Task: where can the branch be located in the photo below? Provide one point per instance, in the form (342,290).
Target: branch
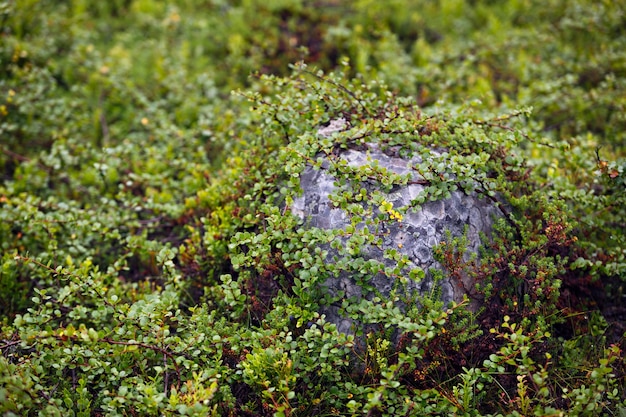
(14,155)
(166,354)
(341,87)
(78,278)
(9,344)
(495,124)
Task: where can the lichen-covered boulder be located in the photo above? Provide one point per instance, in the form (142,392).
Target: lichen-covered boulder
(412,230)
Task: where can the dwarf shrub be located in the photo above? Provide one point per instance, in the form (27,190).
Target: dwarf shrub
(150,262)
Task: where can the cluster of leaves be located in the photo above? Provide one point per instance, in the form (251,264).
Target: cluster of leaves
(150,263)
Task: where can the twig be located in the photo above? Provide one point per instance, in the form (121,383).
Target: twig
(9,344)
(166,376)
(341,87)
(166,354)
(80,279)
(495,124)
(22,158)
(14,155)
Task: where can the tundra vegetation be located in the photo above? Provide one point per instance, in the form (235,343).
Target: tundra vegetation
(149,154)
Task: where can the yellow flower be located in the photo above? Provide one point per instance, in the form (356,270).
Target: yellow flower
(387,207)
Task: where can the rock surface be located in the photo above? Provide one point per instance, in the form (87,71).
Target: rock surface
(415,235)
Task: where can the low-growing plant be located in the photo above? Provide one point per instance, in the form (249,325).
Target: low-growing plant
(151,264)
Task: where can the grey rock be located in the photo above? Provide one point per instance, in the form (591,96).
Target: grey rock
(415,235)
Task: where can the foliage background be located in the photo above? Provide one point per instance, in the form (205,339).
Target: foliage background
(138,276)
